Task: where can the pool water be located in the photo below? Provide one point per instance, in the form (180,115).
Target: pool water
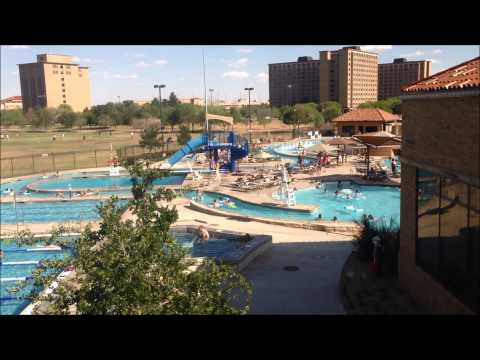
(9,306)
(388,163)
(58,211)
(216,246)
(382,202)
(254,210)
(102,182)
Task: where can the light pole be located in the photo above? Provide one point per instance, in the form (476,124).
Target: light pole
(249,113)
(160,87)
(211,94)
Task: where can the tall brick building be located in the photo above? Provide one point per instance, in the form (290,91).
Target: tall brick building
(439,259)
(348,76)
(54,80)
(393,76)
(294,82)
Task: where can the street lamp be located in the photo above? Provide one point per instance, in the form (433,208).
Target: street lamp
(211,94)
(160,87)
(249,113)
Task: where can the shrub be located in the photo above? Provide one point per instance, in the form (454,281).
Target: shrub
(389,233)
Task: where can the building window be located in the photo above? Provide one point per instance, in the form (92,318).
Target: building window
(63,79)
(448,234)
(64,96)
(64,101)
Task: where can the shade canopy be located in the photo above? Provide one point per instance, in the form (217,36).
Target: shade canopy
(340,141)
(319,148)
(226,119)
(378,138)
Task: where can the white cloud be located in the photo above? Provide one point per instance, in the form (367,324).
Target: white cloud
(413,54)
(262,77)
(161,62)
(435,61)
(18,47)
(142,64)
(15,73)
(236,64)
(87,60)
(437,51)
(139,56)
(376,47)
(235,75)
(244,51)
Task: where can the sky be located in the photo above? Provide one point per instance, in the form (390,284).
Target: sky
(129,72)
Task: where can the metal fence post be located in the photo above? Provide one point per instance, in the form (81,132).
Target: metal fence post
(33,164)
(11,164)
(53,162)
(96,164)
(74,161)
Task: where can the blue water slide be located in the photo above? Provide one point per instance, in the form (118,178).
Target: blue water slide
(188,148)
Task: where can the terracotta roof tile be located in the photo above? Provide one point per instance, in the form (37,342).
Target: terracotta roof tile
(12,99)
(465,75)
(367,115)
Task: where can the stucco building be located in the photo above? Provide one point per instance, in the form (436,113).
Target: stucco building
(439,259)
(11,103)
(393,76)
(348,76)
(365,120)
(54,80)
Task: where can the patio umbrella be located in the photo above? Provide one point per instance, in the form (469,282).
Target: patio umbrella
(341,141)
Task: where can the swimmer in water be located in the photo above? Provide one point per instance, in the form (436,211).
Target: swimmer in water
(201,234)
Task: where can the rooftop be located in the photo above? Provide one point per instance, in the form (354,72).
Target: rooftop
(367,115)
(11,99)
(464,75)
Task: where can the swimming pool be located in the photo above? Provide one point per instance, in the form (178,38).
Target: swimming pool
(19,263)
(100,182)
(254,210)
(50,211)
(382,202)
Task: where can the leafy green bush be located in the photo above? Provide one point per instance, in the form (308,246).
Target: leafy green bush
(389,233)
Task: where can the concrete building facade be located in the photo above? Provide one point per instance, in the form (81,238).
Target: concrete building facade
(294,82)
(54,80)
(348,76)
(439,258)
(393,76)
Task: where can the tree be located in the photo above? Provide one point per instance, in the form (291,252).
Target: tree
(172,99)
(43,117)
(149,138)
(391,105)
(105,120)
(67,119)
(175,118)
(330,110)
(136,266)
(12,117)
(184,135)
(80,121)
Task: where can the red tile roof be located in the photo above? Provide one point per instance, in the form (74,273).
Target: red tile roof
(465,75)
(367,115)
(12,99)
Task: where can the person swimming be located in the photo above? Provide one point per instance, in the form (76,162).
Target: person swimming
(201,234)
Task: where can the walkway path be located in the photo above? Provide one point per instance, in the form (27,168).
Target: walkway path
(313,289)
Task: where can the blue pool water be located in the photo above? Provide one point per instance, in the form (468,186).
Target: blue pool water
(388,163)
(380,201)
(215,247)
(15,306)
(101,182)
(61,211)
(248,209)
